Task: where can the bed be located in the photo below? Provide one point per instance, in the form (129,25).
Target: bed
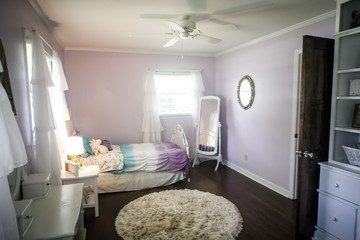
(130,167)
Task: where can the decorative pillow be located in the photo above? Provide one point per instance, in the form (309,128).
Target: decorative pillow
(87,145)
(107,144)
(85,154)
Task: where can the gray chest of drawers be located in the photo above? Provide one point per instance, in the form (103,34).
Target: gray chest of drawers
(339,200)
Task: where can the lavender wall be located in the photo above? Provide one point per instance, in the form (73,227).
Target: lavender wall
(107,92)
(264,131)
(14,16)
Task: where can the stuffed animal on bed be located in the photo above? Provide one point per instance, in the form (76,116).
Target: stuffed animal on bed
(96,146)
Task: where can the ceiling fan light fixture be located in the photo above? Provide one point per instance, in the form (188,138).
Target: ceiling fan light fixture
(183,35)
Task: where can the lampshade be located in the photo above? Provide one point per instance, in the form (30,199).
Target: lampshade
(1,67)
(74,146)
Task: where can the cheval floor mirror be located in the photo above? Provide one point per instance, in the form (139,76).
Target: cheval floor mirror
(208,132)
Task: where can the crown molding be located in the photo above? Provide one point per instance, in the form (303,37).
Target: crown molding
(180,54)
(281,32)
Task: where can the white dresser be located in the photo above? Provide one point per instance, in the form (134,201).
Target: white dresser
(339,200)
(55,216)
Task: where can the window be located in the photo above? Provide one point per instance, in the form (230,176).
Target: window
(29,69)
(174,93)
(29,60)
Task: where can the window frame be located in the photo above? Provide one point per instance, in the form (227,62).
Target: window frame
(173,73)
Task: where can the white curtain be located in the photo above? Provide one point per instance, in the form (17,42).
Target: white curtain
(59,106)
(13,155)
(197,94)
(151,126)
(46,154)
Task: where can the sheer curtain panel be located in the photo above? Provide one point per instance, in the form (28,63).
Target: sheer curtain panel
(59,105)
(46,154)
(151,126)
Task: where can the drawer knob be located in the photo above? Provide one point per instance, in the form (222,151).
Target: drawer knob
(334,219)
(336,185)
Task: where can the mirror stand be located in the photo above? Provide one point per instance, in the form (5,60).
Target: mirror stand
(208,131)
(217,157)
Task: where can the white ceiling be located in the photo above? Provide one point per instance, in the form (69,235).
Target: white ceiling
(137,25)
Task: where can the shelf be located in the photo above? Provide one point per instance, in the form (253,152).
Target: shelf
(352,70)
(90,200)
(347,129)
(348,32)
(348,98)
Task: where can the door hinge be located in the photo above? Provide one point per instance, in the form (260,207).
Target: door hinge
(296,135)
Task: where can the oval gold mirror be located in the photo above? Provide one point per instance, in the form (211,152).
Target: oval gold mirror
(246,92)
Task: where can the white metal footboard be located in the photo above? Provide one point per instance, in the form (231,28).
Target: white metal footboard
(178,137)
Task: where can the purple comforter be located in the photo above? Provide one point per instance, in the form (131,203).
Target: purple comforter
(155,157)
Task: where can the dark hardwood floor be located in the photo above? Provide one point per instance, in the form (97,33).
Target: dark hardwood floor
(266,214)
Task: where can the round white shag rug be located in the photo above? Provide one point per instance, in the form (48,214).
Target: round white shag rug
(179,214)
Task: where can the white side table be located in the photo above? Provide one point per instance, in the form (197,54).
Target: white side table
(87,175)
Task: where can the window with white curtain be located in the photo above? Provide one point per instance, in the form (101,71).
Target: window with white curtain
(29,62)
(174,92)
(48,109)
(29,72)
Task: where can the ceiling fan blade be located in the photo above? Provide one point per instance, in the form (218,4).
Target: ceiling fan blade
(244,7)
(207,39)
(199,16)
(197,6)
(174,26)
(222,28)
(171,42)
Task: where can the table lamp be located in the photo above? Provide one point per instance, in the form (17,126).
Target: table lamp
(74,147)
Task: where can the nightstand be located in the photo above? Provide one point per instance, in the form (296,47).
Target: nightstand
(87,175)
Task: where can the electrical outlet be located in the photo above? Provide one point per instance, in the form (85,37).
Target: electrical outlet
(245,157)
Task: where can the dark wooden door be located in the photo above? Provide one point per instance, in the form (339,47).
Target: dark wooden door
(314,123)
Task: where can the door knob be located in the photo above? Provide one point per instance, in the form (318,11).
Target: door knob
(306,154)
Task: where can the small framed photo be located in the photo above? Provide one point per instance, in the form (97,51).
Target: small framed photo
(354,87)
(72,167)
(356,119)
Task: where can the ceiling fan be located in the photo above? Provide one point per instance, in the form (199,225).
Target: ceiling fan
(185,28)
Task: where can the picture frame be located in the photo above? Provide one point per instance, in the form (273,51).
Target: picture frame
(356,119)
(354,87)
(72,167)
(355,15)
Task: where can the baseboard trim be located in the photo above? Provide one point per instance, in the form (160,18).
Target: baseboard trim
(258,179)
